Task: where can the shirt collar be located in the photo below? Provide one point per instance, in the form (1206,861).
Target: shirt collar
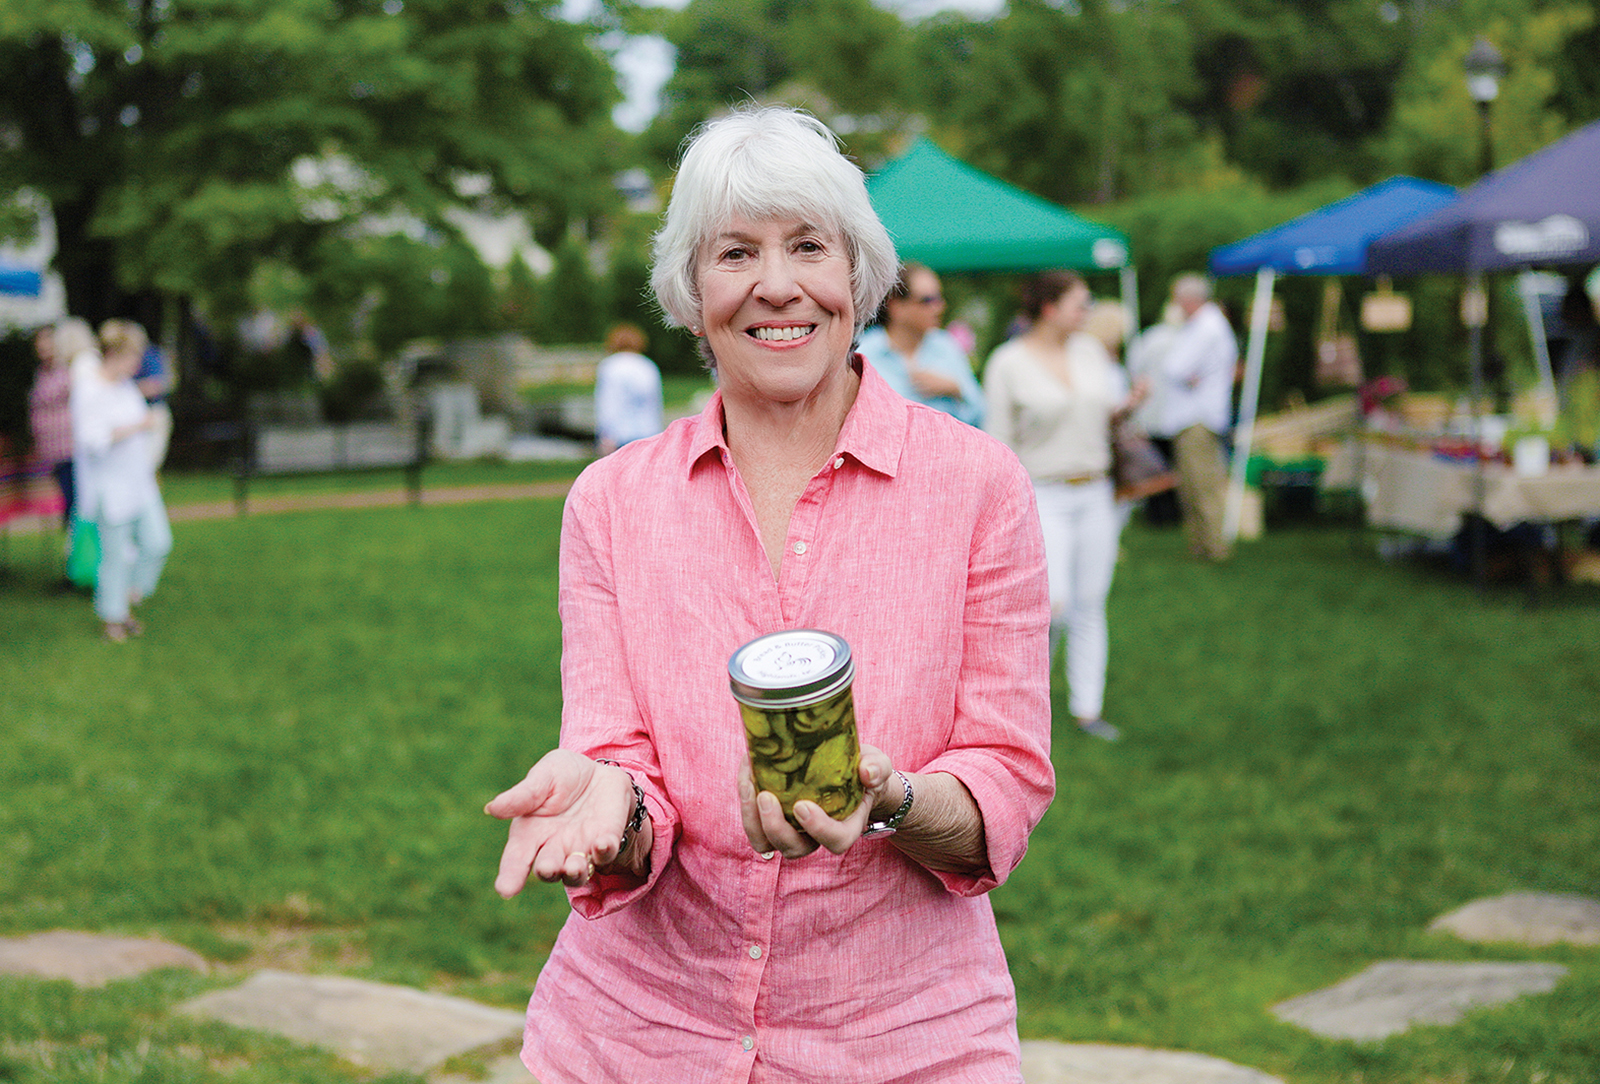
(874,432)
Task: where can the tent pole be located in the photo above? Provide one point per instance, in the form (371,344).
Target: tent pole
(1244,432)
(1477,541)
(1130,301)
(1541,346)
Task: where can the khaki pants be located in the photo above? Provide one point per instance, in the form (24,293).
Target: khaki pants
(1202,491)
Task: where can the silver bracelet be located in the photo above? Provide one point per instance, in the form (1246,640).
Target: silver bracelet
(889,826)
(635,823)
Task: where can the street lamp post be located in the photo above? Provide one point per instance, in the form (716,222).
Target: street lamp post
(1485,68)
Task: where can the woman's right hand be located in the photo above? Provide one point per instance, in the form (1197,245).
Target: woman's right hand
(567,818)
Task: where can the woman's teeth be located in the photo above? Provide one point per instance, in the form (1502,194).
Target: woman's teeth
(782,334)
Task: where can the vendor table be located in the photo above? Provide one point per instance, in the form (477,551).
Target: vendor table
(1416,491)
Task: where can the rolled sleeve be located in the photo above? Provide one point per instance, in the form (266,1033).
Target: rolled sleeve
(600,715)
(1001,745)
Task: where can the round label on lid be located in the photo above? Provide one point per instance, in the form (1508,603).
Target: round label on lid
(789,659)
(789,663)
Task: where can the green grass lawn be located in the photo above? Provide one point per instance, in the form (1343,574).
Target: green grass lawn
(1322,752)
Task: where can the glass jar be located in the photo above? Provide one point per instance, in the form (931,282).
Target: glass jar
(793,689)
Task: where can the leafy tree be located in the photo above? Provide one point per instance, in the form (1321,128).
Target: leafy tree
(173,138)
(846,60)
(1577,93)
(1435,129)
(573,304)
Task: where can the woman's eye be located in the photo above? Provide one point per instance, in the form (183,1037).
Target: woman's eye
(810,247)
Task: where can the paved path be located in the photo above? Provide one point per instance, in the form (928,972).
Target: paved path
(377,498)
(310,502)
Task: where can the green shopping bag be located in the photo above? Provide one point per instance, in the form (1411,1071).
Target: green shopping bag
(83,559)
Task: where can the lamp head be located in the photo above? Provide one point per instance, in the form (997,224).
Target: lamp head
(1485,67)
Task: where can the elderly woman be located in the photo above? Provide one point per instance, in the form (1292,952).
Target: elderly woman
(917,357)
(1054,392)
(112,425)
(711,939)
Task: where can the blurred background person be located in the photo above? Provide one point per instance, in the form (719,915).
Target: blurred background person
(112,427)
(627,391)
(50,416)
(917,358)
(1144,357)
(1138,469)
(154,380)
(1052,394)
(1195,377)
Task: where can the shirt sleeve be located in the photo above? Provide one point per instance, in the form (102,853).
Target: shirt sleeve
(600,716)
(1000,745)
(958,367)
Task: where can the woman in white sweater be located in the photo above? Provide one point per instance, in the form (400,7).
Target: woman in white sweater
(1052,394)
(112,428)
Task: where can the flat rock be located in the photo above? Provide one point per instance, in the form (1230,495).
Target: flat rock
(508,1070)
(1045,1062)
(369,1023)
(91,959)
(1527,918)
(1389,997)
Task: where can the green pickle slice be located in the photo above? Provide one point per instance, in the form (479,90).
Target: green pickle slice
(809,752)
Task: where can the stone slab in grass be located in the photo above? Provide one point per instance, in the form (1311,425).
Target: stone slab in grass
(91,959)
(1046,1062)
(369,1023)
(509,1070)
(1527,918)
(1389,997)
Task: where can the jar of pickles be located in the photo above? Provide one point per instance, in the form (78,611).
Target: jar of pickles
(793,690)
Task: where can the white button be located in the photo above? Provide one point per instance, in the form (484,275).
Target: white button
(799,549)
(755,952)
(747,1042)
(837,463)
(767,856)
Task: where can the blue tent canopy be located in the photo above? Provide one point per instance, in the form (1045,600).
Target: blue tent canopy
(1333,240)
(20,281)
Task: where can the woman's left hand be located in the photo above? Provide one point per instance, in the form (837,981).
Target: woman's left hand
(768,830)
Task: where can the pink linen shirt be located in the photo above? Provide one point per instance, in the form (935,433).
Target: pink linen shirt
(919,543)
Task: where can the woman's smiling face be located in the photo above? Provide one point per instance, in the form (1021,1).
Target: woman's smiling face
(777,306)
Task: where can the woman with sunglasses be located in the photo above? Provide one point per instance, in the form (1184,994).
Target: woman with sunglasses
(914,355)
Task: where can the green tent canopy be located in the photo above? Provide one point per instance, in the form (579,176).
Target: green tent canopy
(943,213)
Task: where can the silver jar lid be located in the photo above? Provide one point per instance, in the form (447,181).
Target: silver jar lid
(793,666)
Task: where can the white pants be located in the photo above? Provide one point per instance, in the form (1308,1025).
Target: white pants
(1081,528)
(132,555)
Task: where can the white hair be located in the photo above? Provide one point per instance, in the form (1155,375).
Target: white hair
(74,336)
(764,164)
(1192,287)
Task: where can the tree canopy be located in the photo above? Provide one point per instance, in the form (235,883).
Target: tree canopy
(180,143)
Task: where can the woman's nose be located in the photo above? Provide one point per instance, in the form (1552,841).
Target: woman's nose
(777,284)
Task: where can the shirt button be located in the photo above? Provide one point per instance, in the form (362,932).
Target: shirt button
(755,952)
(767,856)
(837,463)
(748,1042)
(799,549)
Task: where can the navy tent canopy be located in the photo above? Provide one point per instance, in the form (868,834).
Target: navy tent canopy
(1333,240)
(19,281)
(1540,211)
